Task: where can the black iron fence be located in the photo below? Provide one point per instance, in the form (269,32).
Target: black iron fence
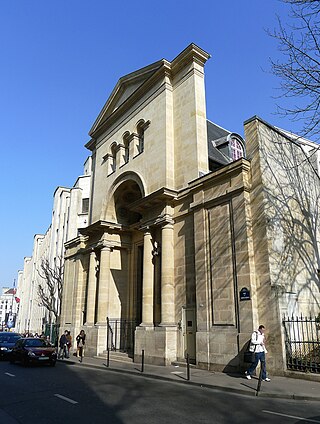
(120,336)
(302,339)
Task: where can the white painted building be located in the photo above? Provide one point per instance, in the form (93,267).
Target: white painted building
(8,309)
(69,214)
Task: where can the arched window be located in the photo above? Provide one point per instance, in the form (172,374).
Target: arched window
(236,149)
(140,131)
(126,141)
(142,125)
(113,159)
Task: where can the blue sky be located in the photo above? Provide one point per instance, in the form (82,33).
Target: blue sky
(59,61)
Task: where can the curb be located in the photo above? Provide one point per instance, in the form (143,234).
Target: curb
(198,384)
(163,378)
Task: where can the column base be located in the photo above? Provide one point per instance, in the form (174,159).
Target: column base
(168,324)
(91,331)
(159,344)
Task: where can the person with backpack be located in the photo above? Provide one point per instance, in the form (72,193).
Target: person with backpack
(257,345)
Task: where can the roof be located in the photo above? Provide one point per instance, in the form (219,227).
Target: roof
(218,139)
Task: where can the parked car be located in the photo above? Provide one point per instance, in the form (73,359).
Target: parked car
(33,350)
(7,341)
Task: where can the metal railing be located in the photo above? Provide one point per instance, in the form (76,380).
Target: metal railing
(120,336)
(302,340)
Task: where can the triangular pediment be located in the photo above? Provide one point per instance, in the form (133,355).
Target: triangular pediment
(124,88)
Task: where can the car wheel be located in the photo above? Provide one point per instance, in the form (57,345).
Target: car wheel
(12,360)
(25,362)
(52,363)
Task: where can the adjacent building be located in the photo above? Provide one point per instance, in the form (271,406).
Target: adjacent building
(9,306)
(70,212)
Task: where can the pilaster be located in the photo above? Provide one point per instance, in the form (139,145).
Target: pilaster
(148,280)
(92,287)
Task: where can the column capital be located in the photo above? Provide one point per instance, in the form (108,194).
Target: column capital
(160,221)
(164,220)
(145,229)
(105,245)
(168,225)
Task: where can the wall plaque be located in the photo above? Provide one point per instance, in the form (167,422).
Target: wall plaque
(245,294)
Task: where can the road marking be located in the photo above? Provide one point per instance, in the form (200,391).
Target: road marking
(10,375)
(66,399)
(177,372)
(309,420)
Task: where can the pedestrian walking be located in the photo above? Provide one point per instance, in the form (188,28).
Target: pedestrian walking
(69,342)
(81,341)
(257,345)
(63,346)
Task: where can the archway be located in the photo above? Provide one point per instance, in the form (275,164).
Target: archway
(125,195)
(126,260)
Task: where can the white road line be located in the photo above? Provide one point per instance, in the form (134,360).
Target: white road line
(66,399)
(177,372)
(10,375)
(309,420)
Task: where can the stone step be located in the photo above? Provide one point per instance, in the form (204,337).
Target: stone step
(182,364)
(116,356)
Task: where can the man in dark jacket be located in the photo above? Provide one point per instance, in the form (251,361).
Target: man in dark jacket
(63,346)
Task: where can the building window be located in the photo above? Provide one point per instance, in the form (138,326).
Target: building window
(236,149)
(126,142)
(113,163)
(141,138)
(85,205)
(142,125)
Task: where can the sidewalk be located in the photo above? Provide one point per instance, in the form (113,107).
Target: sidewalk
(279,387)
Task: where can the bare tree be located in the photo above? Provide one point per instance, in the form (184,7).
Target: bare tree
(50,289)
(299,71)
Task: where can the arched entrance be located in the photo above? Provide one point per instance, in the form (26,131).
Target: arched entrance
(126,266)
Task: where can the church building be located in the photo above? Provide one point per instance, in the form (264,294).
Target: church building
(183,250)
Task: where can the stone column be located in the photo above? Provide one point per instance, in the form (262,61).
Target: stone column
(104,280)
(92,287)
(167,276)
(147,281)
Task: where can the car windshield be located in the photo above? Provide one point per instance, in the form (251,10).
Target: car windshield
(36,343)
(12,338)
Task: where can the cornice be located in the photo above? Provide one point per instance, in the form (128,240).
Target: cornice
(163,195)
(100,226)
(241,165)
(192,53)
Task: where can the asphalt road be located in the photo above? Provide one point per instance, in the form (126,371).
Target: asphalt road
(75,394)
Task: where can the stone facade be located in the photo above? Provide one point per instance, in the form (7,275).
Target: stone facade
(177,230)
